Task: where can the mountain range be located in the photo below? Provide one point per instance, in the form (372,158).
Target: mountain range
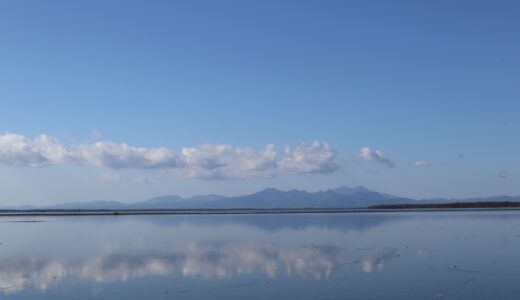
(270,198)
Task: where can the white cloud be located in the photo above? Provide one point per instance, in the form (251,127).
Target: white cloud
(209,161)
(367,154)
(142,180)
(109,177)
(226,161)
(119,156)
(315,157)
(18,150)
(422,163)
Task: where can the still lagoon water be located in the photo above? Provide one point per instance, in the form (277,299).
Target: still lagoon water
(387,255)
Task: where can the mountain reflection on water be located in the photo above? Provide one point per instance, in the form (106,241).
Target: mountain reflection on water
(132,253)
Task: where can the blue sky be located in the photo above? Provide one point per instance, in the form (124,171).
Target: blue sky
(430,87)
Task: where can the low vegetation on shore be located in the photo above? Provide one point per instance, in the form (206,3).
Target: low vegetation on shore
(503,204)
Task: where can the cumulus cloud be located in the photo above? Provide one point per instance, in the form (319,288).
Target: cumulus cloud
(19,150)
(120,156)
(225,161)
(367,154)
(422,163)
(315,157)
(109,177)
(209,161)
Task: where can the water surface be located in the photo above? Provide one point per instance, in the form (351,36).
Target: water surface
(388,255)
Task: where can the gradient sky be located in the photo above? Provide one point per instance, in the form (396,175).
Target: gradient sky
(414,98)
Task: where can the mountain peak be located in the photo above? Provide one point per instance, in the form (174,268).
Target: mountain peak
(270,191)
(164,199)
(349,191)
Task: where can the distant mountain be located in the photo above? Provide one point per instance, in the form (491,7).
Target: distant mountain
(350,191)
(338,198)
(210,197)
(341,197)
(177,202)
(86,205)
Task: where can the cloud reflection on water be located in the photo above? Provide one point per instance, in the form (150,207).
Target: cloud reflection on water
(208,261)
(309,247)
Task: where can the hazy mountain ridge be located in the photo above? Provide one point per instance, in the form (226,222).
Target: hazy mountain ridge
(341,197)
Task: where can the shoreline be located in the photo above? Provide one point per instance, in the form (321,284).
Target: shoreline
(85,212)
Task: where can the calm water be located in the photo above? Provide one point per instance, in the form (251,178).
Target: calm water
(441,255)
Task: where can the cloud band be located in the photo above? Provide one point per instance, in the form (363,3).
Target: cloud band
(208,161)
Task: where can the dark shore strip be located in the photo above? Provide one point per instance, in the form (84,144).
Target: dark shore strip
(503,204)
(247,211)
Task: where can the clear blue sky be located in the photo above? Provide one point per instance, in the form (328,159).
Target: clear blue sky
(433,85)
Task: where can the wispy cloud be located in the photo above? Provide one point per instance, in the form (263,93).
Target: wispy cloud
(95,135)
(422,163)
(367,154)
(142,180)
(109,177)
(503,174)
(209,161)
